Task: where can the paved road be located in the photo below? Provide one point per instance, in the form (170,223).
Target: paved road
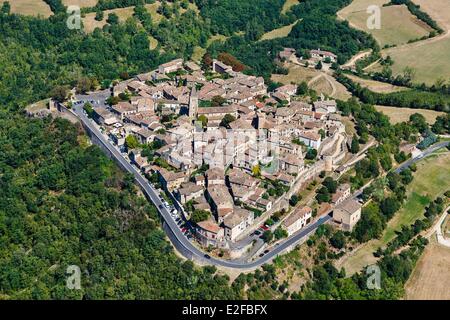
(406,164)
(424,154)
(178,238)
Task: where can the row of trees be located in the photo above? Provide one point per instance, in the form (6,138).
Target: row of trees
(407,233)
(415,10)
(103,5)
(413,98)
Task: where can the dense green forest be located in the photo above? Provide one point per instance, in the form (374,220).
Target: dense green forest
(37,54)
(413,98)
(62,203)
(318,28)
(113,4)
(230,16)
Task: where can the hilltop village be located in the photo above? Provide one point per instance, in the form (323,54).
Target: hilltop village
(226,151)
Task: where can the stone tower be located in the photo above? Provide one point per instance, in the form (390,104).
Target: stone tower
(193,103)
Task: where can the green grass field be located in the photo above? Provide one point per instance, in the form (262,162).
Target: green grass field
(431,180)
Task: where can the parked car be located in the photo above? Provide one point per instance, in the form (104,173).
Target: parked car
(207,256)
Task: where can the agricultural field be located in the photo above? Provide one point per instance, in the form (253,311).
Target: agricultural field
(90,23)
(398,25)
(397,115)
(428,58)
(438,10)
(288,5)
(431,180)
(279,33)
(430,279)
(30,7)
(430,61)
(376,86)
(80,3)
(315,79)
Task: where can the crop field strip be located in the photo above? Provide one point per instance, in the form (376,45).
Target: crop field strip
(429,58)
(30,7)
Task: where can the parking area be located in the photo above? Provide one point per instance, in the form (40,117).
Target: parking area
(97,99)
(182,224)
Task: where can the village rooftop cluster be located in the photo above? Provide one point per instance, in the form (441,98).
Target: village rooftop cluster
(224,148)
